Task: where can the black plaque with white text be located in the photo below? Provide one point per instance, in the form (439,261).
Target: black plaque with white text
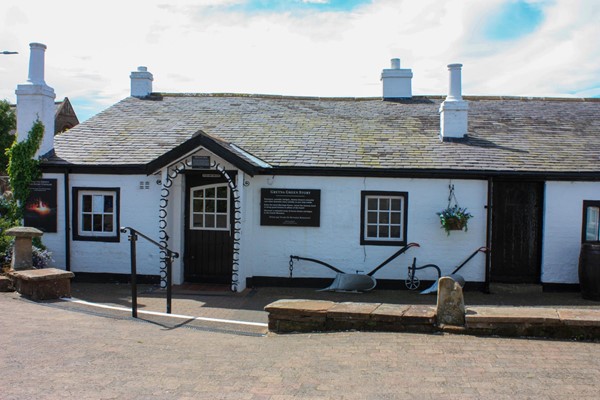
(290,207)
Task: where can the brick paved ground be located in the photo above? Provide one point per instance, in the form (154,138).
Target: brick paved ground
(53,353)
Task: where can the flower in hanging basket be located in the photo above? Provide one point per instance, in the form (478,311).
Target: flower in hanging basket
(454,219)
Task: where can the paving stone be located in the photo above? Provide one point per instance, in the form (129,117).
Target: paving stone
(352,310)
(419,315)
(580,317)
(504,315)
(389,312)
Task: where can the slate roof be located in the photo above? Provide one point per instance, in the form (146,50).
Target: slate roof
(537,135)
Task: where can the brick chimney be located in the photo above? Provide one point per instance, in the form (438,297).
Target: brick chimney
(454,110)
(396,81)
(35,100)
(141,82)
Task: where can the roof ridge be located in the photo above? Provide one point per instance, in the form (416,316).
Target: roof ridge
(368,98)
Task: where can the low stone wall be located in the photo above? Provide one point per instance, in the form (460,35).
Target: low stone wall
(321,316)
(286,316)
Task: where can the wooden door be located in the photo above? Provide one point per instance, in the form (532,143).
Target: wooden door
(208,254)
(517,231)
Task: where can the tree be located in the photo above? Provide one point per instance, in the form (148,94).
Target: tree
(8,122)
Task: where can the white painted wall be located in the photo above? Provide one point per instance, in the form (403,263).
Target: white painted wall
(337,240)
(265,250)
(138,209)
(563,218)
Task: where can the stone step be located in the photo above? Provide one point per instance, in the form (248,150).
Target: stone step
(6,284)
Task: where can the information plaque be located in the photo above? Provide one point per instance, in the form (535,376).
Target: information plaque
(290,207)
(41,206)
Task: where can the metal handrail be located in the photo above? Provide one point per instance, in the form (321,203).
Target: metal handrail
(133,236)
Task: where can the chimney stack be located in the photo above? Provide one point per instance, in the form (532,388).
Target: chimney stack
(396,81)
(35,100)
(141,82)
(454,110)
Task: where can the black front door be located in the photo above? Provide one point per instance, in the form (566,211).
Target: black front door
(516,231)
(208,252)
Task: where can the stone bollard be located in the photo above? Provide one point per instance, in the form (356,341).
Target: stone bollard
(22,258)
(450,302)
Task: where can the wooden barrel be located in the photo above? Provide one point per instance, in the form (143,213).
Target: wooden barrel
(589,271)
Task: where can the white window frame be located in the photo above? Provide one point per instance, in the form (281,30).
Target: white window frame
(80,233)
(214,213)
(401,224)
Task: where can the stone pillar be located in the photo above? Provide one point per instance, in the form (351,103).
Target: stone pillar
(450,302)
(22,258)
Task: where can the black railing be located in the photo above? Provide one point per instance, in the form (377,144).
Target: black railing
(170,255)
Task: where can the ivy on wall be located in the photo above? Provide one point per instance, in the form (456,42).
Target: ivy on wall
(22,167)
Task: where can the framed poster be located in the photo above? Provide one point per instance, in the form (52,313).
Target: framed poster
(41,206)
(290,207)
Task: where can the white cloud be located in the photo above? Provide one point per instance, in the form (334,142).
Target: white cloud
(205,47)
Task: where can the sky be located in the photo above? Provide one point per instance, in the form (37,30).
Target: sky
(327,48)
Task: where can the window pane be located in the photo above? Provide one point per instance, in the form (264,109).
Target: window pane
(395,218)
(108,223)
(198,206)
(197,221)
(222,206)
(384,204)
(97,223)
(372,204)
(592,224)
(395,231)
(384,218)
(108,204)
(209,221)
(372,218)
(372,231)
(210,193)
(87,203)
(210,206)
(221,221)
(97,203)
(222,192)
(87,222)
(384,231)
(396,204)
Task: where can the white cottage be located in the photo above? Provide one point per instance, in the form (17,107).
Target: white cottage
(237,183)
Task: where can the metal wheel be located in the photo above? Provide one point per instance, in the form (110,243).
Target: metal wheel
(413,283)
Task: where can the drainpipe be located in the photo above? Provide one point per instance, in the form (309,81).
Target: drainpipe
(67,222)
(488,235)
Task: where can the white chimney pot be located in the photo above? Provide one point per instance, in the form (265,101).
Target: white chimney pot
(141,82)
(454,111)
(455,91)
(35,100)
(396,81)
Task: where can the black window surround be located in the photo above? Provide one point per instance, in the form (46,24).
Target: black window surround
(590,206)
(77,213)
(394,231)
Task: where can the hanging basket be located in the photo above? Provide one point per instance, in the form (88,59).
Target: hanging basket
(453,217)
(455,224)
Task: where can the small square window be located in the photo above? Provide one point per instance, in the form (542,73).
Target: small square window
(383,218)
(95,214)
